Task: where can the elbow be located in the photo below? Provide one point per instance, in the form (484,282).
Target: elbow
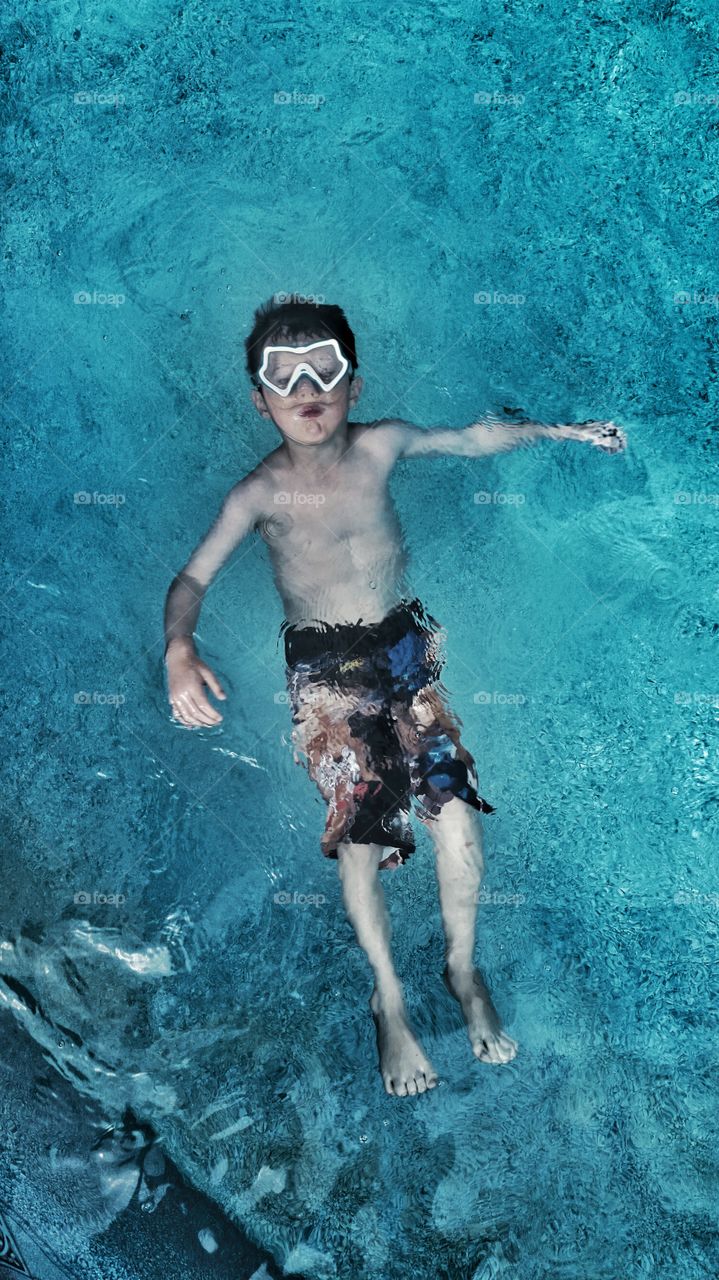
(185,583)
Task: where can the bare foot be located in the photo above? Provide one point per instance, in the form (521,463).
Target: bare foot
(404,1068)
(489,1042)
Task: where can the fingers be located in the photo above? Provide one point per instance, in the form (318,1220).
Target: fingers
(211,679)
(204,710)
(612,440)
(604,435)
(187,697)
(179,718)
(182,711)
(194,711)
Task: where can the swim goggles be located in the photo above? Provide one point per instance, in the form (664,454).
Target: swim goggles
(282,367)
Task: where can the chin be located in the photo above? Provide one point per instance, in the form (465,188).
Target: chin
(321,424)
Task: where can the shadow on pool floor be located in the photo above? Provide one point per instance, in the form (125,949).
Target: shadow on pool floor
(81,1201)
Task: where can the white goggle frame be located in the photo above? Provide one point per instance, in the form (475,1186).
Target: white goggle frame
(304,368)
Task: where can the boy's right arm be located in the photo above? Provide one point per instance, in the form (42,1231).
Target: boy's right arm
(187,675)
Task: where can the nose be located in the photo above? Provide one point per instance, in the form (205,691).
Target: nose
(305,384)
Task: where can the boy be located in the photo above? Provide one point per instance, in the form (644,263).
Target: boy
(363,658)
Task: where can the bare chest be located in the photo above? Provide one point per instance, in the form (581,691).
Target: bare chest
(353,506)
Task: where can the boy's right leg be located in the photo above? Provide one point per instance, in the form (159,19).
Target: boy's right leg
(404,1067)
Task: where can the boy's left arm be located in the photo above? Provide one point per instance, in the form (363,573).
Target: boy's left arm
(489,435)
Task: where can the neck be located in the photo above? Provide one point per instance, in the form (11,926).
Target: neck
(315,459)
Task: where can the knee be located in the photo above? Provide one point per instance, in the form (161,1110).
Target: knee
(464,857)
(354,857)
(458,830)
(456,816)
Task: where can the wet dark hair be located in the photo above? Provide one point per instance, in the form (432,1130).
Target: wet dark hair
(288,321)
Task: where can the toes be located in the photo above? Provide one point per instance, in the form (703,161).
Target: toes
(486,1052)
(509,1046)
(482,1052)
(398,1088)
(427,1080)
(495,1051)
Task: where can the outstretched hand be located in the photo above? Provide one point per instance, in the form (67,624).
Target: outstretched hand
(187,676)
(606,436)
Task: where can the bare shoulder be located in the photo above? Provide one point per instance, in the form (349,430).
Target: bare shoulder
(385,437)
(250,496)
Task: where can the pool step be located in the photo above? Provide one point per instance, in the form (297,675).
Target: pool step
(22,1255)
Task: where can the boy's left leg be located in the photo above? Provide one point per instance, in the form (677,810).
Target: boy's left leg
(456,833)
(429,732)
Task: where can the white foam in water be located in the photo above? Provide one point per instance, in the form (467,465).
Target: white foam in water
(208,1240)
(261,1273)
(218,1171)
(243,1123)
(268,1181)
(304,1260)
(150,961)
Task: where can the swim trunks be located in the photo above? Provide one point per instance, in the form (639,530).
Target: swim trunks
(371,726)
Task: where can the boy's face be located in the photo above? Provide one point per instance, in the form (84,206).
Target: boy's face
(308,415)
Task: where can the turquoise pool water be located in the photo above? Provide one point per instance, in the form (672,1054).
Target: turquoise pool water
(517,208)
